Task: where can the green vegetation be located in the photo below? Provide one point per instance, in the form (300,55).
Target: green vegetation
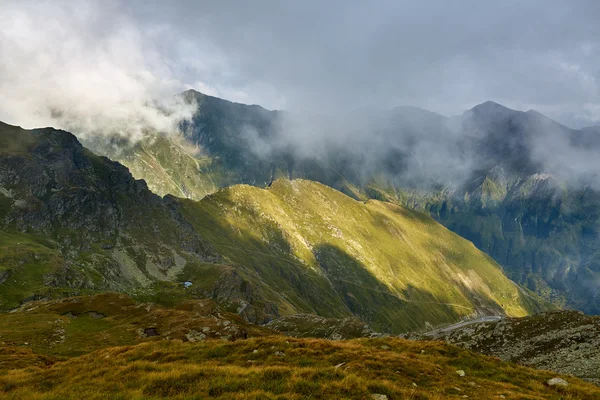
(170,165)
(73,326)
(24,261)
(322,252)
(77,223)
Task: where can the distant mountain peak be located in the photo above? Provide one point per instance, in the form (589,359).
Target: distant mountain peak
(491,107)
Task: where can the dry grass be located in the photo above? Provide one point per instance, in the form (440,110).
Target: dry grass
(64,327)
(284,368)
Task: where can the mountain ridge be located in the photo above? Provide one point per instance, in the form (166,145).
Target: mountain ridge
(242,246)
(484,182)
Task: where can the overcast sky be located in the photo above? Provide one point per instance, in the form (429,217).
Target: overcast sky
(101,58)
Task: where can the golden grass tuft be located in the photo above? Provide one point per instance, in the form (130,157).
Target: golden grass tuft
(277,367)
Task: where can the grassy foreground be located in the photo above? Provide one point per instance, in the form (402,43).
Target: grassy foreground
(278,367)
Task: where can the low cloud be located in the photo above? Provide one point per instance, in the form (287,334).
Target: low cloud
(87,68)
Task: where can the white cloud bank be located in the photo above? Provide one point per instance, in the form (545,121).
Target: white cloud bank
(85,67)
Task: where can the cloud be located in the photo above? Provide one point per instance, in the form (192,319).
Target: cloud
(439,55)
(85,67)
(322,57)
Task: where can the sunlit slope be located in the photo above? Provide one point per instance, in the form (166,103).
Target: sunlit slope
(325,253)
(168,164)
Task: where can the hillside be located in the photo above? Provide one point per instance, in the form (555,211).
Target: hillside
(319,251)
(277,367)
(74,223)
(109,345)
(168,163)
(514,183)
(562,341)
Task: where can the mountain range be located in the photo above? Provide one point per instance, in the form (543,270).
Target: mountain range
(520,186)
(75,223)
(248,224)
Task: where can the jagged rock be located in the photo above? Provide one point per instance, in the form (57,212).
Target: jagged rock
(96,315)
(194,336)
(150,332)
(92,212)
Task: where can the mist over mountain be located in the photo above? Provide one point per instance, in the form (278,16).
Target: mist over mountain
(519,185)
(178,176)
(404,146)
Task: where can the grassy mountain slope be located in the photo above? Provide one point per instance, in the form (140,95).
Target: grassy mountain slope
(282,368)
(325,253)
(109,346)
(68,327)
(488,181)
(543,232)
(168,163)
(75,223)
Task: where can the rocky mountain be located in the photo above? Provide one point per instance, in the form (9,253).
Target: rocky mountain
(75,223)
(562,341)
(72,220)
(519,185)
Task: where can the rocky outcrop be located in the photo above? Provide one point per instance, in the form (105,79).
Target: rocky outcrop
(308,325)
(239,295)
(566,342)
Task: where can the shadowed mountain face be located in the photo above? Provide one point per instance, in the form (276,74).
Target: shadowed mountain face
(519,185)
(76,223)
(73,221)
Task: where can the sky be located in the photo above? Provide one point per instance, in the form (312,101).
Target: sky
(83,64)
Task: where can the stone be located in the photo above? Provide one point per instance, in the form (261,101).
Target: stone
(377,396)
(557,382)
(460,373)
(195,336)
(149,332)
(96,315)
